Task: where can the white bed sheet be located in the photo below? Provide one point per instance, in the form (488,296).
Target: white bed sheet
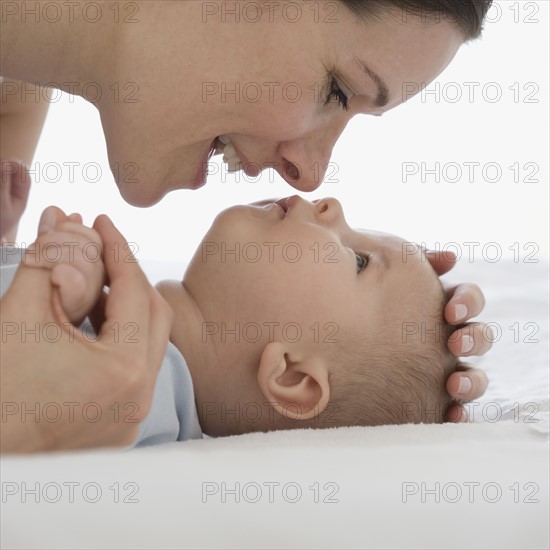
(372,473)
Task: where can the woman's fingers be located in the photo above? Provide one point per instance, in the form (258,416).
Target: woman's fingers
(128,299)
(161,323)
(15,183)
(132,300)
(465,301)
(97,313)
(471,339)
(137,320)
(456,413)
(441,262)
(467,383)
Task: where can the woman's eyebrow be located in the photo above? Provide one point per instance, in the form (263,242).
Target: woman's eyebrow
(383,97)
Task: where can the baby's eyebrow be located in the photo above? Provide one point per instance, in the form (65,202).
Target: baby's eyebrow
(384,257)
(382,266)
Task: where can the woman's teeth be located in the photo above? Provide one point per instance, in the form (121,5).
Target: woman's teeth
(230,156)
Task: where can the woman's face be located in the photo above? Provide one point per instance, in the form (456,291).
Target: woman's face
(279,81)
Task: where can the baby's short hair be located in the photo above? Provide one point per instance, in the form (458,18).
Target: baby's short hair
(395,376)
(405,385)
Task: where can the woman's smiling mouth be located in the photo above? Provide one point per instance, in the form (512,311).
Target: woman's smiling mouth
(234,157)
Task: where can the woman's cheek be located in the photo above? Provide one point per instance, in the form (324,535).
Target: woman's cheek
(288,121)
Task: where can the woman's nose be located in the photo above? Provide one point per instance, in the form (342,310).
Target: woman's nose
(306,160)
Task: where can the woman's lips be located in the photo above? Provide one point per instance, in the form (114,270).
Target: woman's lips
(202,172)
(250,169)
(218,147)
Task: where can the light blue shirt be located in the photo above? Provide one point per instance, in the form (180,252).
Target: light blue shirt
(173,415)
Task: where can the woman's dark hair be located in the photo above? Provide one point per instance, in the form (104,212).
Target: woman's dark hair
(468,15)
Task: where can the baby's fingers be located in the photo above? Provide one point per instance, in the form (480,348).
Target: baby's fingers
(471,339)
(50,218)
(72,287)
(68,243)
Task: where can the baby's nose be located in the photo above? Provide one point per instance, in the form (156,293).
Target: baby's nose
(328,210)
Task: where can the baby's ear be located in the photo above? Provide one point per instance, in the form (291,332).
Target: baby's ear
(297,387)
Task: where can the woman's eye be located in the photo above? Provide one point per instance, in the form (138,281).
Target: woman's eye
(336,92)
(362,262)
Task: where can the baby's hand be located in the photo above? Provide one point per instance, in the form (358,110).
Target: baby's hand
(73,254)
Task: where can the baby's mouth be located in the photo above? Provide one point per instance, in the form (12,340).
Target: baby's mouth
(230,156)
(283,204)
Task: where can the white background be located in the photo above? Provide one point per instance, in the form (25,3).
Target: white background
(369,158)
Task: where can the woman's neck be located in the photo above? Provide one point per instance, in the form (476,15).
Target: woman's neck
(58,44)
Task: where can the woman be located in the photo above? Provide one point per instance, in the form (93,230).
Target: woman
(272,84)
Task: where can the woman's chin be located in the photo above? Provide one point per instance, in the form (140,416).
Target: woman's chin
(142,196)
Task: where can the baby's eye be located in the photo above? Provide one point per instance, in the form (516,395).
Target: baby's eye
(362,262)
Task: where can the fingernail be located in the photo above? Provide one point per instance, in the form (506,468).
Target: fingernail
(461,312)
(464,386)
(47,221)
(463,416)
(432,253)
(467,344)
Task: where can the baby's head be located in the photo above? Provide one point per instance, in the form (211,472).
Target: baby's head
(288,318)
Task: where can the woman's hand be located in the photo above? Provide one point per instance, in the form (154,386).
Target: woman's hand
(62,389)
(15,183)
(465,302)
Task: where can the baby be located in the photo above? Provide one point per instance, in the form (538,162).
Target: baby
(286,318)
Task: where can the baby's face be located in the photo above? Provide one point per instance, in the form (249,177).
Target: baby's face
(294,271)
